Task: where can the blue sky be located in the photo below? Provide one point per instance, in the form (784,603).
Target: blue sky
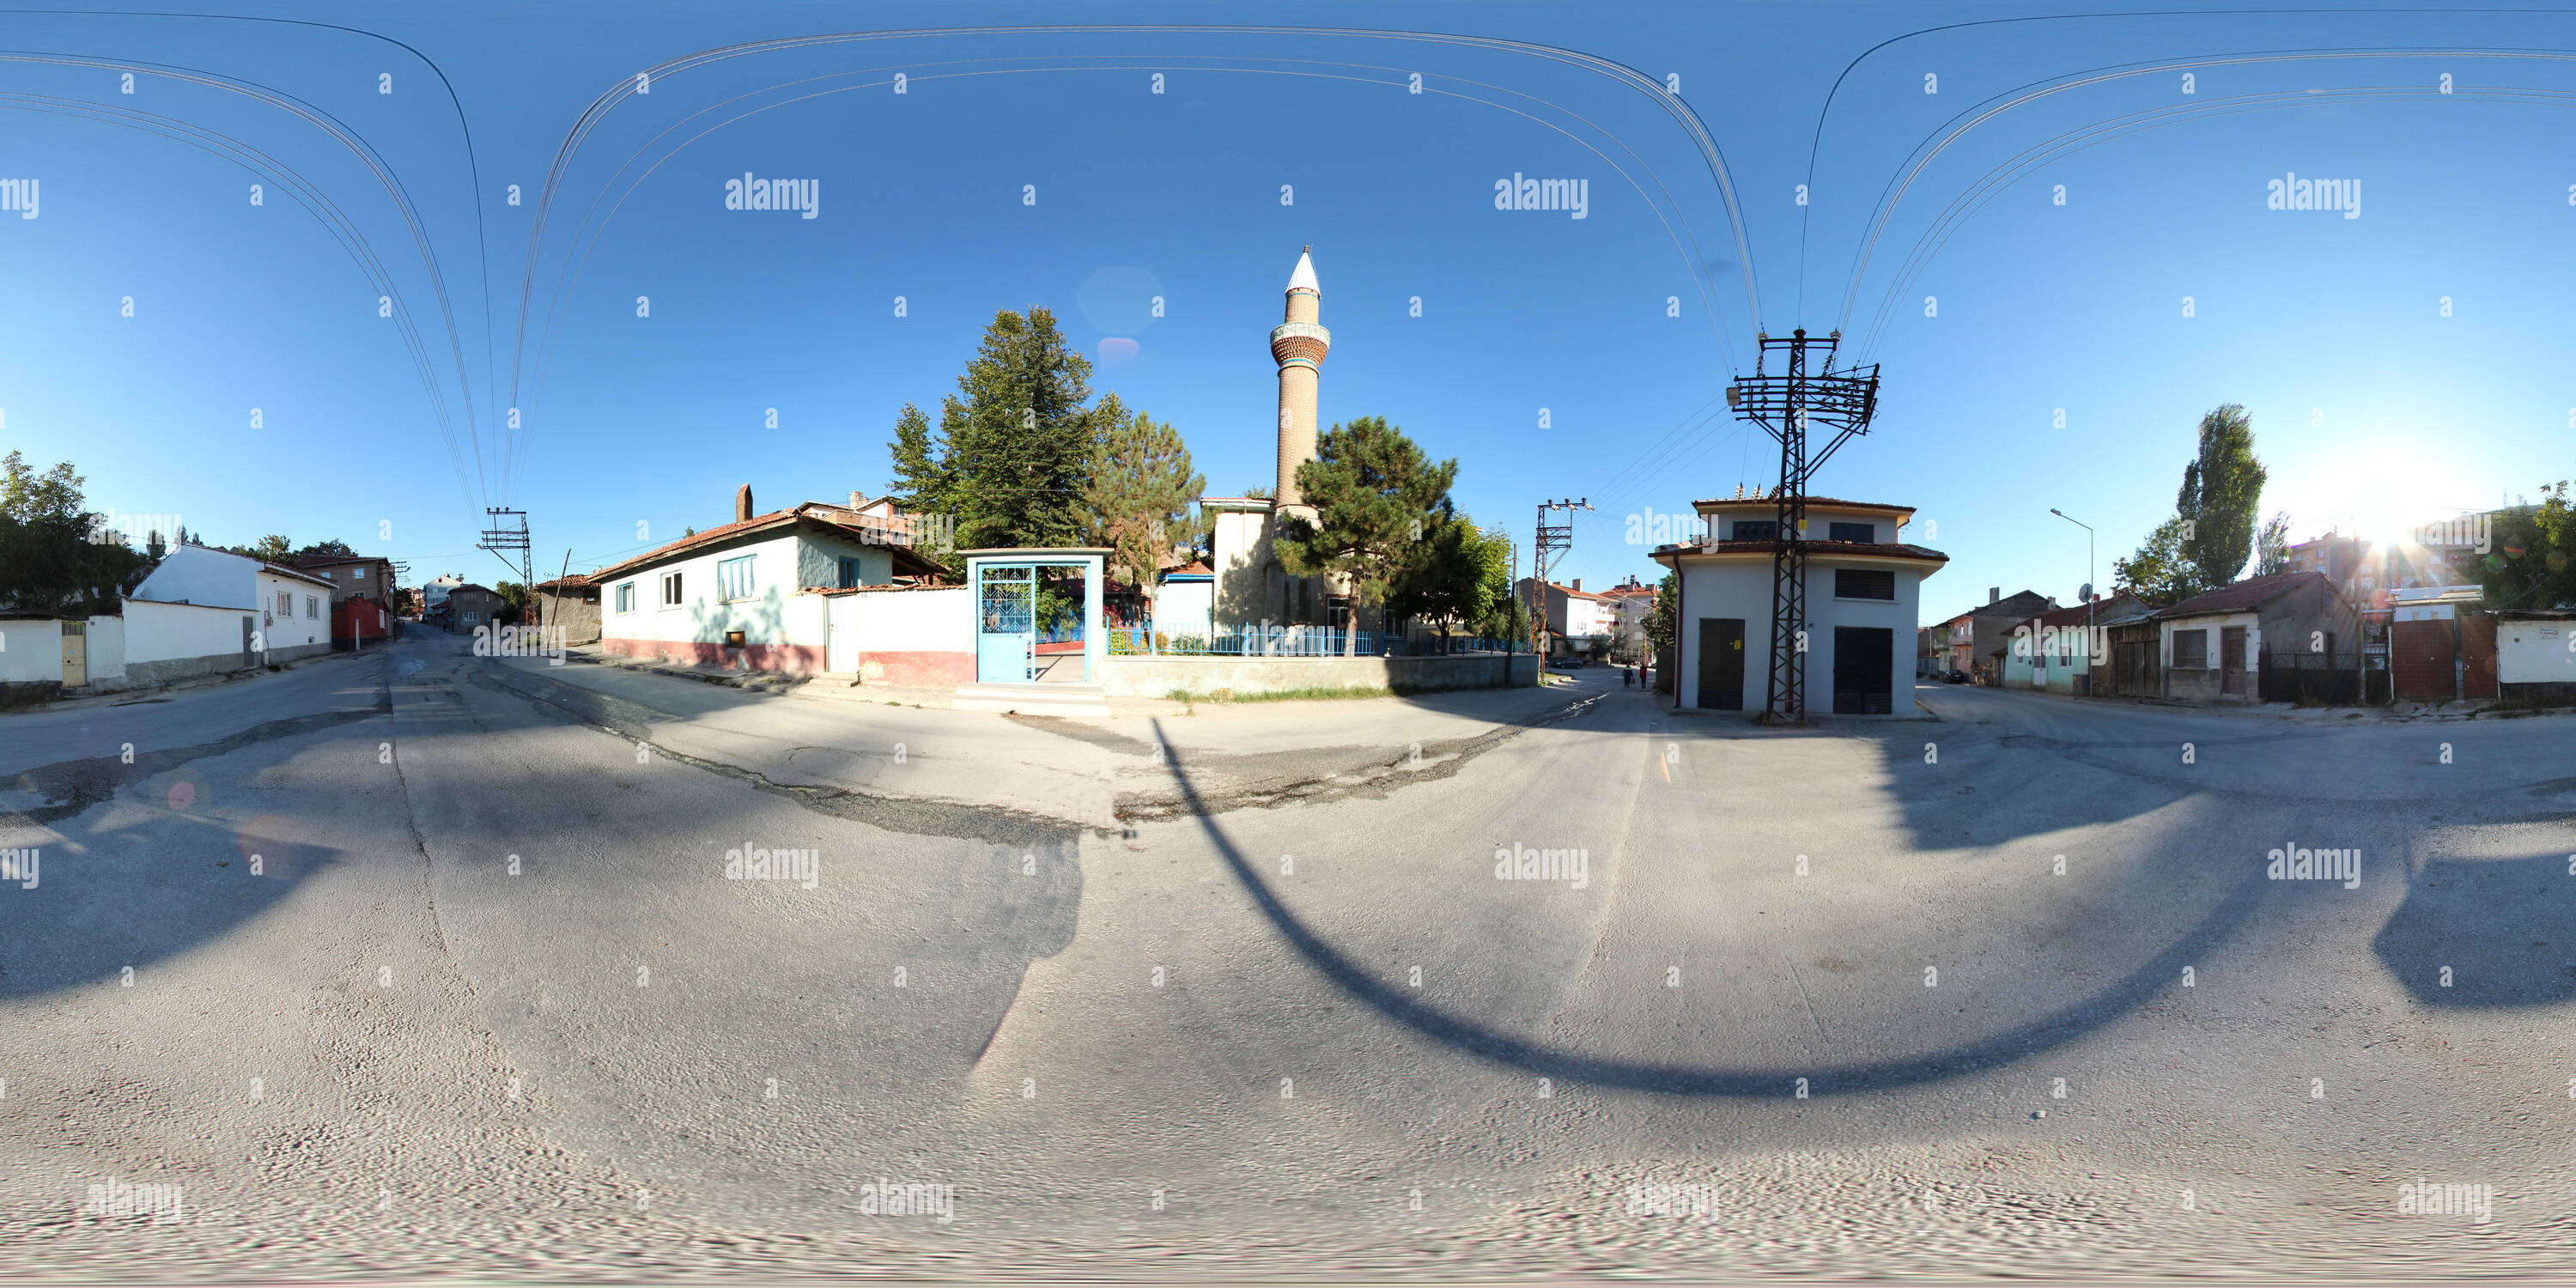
(2369,405)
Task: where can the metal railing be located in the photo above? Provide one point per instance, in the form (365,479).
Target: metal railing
(1285,641)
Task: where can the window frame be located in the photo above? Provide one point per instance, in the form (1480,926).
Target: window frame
(847,568)
(313,607)
(1735,529)
(1835,529)
(1888,573)
(671,589)
(744,567)
(626,599)
(2199,636)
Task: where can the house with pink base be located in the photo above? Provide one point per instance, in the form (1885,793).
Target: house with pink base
(756,593)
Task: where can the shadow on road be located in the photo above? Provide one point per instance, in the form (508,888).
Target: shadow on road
(2505,929)
(2229,913)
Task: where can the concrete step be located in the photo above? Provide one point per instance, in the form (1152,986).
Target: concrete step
(1033,699)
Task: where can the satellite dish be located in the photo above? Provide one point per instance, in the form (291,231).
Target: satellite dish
(2085,594)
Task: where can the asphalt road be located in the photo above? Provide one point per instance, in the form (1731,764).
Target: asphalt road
(435,961)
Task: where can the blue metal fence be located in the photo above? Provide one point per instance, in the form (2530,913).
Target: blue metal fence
(1281,641)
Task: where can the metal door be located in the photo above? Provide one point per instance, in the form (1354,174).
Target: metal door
(75,654)
(1721,663)
(1864,670)
(250,631)
(2231,660)
(841,635)
(1006,633)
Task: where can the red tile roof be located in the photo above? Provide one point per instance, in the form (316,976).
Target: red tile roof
(819,512)
(2245,596)
(1890,550)
(1812,502)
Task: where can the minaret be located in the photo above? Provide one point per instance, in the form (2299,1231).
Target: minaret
(1298,345)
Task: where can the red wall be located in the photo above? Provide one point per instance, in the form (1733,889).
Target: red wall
(793,659)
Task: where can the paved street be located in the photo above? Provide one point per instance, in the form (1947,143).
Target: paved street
(436,959)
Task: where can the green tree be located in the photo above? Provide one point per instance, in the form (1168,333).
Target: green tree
(53,557)
(2272,546)
(514,603)
(1374,494)
(2220,491)
(1018,438)
(920,476)
(2531,558)
(1138,497)
(1453,574)
(1662,624)
(2158,573)
(334,547)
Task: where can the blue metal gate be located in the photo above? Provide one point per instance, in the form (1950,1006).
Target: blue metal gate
(1006,633)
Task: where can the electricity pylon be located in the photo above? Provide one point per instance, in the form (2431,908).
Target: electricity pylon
(1803,394)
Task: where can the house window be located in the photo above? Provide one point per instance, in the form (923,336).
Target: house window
(733,579)
(670,590)
(2191,650)
(285,604)
(626,597)
(1755,530)
(1864,583)
(849,572)
(312,606)
(1861,532)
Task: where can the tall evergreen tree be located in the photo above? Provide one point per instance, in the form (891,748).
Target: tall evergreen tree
(920,475)
(1019,438)
(1375,494)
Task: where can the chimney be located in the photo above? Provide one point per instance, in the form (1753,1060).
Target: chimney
(742,504)
(857,499)
(1994,593)
(1578,583)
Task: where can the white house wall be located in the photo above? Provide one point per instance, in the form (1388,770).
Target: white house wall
(1743,589)
(299,632)
(31,652)
(165,642)
(196,575)
(783,629)
(2528,651)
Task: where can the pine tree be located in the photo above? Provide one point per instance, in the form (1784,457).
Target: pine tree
(920,472)
(1375,496)
(1020,443)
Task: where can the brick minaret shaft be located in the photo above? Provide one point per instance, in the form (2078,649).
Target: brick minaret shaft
(1298,345)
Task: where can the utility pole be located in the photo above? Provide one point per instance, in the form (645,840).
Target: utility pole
(1785,405)
(499,539)
(1551,539)
(2090,662)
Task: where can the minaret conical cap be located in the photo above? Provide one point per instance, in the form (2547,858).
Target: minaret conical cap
(1304,278)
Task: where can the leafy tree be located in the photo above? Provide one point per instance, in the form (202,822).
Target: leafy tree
(274,548)
(1453,574)
(336,548)
(2158,573)
(2219,493)
(514,603)
(51,560)
(1138,497)
(1374,494)
(1662,624)
(2272,546)
(2531,561)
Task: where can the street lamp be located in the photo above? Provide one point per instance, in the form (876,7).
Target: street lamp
(2088,598)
